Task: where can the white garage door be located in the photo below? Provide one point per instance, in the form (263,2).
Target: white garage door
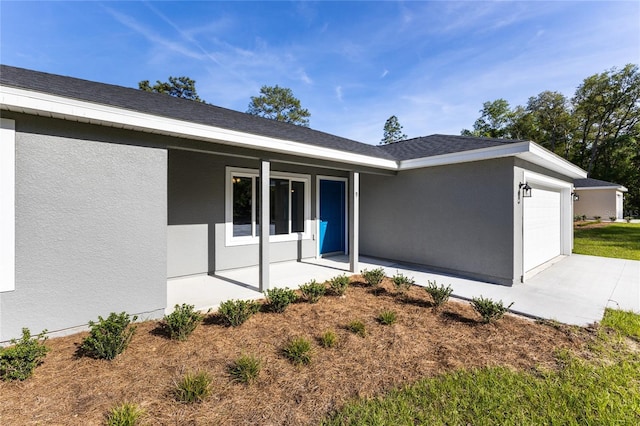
(541,227)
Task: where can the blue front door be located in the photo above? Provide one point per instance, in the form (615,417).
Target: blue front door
(332,216)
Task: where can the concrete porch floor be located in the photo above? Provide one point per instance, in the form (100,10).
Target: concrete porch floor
(573,290)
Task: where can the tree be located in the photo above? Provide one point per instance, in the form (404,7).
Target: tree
(494,122)
(392,131)
(178,87)
(598,129)
(606,107)
(278,103)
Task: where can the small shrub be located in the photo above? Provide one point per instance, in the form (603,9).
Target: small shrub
(245,369)
(328,339)
(313,291)
(387,317)
(236,312)
(612,218)
(279,298)
(357,327)
(577,218)
(374,277)
(125,414)
(597,218)
(402,282)
(439,294)
(180,323)
(339,284)
(488,309)
(628,219)
(298,351)
(109,337)
(17,362)
(584,217)
(193,387)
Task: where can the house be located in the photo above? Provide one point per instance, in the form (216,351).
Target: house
(108,192)
(599,198)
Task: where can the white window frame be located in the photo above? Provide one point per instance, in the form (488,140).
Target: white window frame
(230,240)
(7,205)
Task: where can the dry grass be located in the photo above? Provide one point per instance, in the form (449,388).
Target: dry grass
(67,390)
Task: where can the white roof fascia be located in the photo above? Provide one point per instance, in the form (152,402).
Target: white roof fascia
(506,150)
(529,151)
(617,188)
(547,159)
(44,104)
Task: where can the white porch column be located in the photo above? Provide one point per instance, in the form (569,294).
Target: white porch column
(354,221)
(263,214)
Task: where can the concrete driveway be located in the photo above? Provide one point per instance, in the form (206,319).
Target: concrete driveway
(574,290)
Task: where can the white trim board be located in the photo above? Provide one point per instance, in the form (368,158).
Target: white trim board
(7,205)
(32,102)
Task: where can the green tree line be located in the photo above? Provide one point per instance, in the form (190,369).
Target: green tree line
(597,129)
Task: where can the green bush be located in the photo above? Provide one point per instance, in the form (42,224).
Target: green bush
(279,298)
(402,282)
(109,337)
(313,291)
(488,309)
(439,294)
(328,339)
(357,327)
(612,218)
(298,351)
(339,284)
(18,361)
(245,369)
(628,219)
(193,387)
(125,414)
(180,323)
(387,317)
(236,312)
(374,277)
(597,218)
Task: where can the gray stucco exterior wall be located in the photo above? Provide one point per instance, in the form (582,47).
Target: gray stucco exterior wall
(91,229)
(456,218)
(196,218)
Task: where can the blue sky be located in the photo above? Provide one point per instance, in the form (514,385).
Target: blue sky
(352,64)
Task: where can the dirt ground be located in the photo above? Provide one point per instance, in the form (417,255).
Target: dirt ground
(71,390)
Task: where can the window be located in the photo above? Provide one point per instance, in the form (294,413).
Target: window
(289,201)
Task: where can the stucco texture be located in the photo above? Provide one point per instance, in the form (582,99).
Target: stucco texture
(91,231)
(456,218)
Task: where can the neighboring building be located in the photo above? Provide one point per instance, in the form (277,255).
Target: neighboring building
(108,192)
(598,198)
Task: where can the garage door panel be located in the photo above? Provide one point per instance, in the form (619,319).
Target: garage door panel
(541,227)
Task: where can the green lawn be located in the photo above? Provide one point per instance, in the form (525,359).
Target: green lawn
(621,240)
(602,389)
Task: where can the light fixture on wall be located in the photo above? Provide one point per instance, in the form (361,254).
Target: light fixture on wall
(524,190)
(575,197)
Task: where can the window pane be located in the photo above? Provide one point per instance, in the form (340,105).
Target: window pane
(241,206)
(297,206)
(279,199)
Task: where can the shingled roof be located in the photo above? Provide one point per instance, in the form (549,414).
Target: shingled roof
(180,109)
(196,112)
(429,146)
(596,183)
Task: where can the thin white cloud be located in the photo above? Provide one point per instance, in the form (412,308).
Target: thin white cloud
(384,73)
(339,93)
(152,36)
(305,78)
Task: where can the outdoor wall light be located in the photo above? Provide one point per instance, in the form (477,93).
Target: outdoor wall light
(574,196)
(524,190)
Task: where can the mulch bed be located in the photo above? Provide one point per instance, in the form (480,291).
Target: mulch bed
(72,390)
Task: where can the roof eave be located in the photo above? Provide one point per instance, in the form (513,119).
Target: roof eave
(528,151)
(616,187)
(44,104)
